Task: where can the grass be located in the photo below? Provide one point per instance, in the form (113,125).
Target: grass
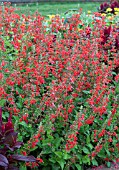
(56,8)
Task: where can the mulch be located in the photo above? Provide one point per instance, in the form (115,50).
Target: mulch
(114,166)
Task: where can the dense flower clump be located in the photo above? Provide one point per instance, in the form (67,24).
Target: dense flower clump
(60,86)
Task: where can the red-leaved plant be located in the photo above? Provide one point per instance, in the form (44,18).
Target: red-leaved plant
(8,146)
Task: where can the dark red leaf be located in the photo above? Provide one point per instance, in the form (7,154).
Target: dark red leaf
(12,167)
(10,139)
(24,158)
(17,145)
(3,161)
(9,127)
(0,117)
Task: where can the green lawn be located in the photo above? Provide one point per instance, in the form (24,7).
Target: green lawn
(56,8)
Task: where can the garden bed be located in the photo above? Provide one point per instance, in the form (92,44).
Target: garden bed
(59,89)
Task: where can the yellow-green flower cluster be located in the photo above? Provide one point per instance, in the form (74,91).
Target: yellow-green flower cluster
(116,11)
(103,14)
(51,17)
(89,12)
(109,10)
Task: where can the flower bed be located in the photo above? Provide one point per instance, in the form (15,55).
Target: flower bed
(59,82)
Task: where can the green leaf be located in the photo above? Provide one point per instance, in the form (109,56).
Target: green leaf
(33,149)
(114,141)
(79,156)
(94,162)
(52,160)
(16,118)
(23,124)
(46,168)
(108,164)
(78,166)
(68,97)
(85,150)
(114,73)
(5,115)
(86,159)
(102,154)
(23,168)
(20,137)
(108,153)
(88,139)
(2,102)
(55,167)
(90,146)
(59,154)
(19,89)
(19,105)
(57,142)
(50,137)
(86,91)
(66,156)
(62,163)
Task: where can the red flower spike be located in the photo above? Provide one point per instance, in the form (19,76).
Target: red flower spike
(39,160)
(90,120)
